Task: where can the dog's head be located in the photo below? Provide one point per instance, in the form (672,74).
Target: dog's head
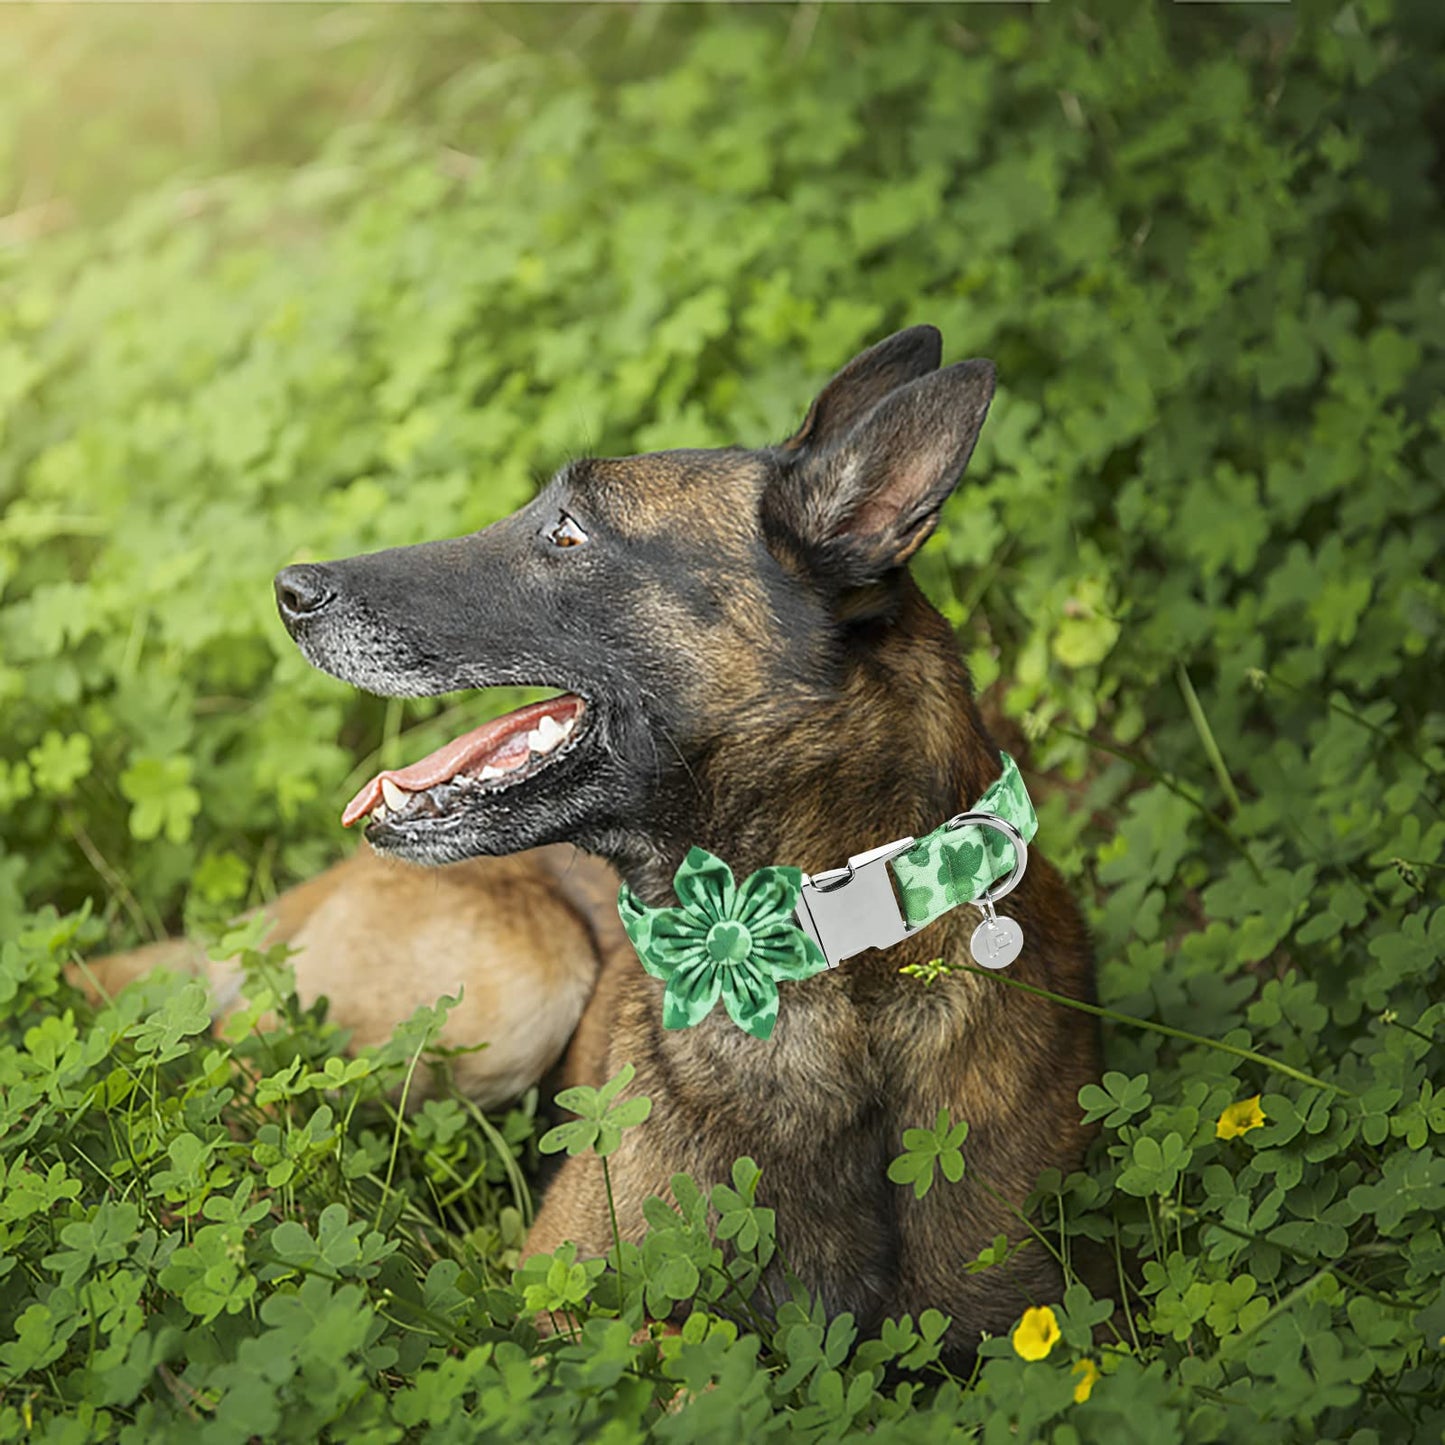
(685,604)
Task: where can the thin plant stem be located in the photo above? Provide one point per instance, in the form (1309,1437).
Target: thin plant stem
(1023,1218)
(616,1235)
(345,1127)
(1389,1301)
(1122,1018)
(1419,863)
(148,927)
(571,1330)
(1277,1308)
(1360,720)
(1064,1234)
(438,1324)
(520,1193)
(1124,1290)
(1171,784)
(1395,1023)
(1061,1255)
(749,1310)
(1206,736)
(396,1133)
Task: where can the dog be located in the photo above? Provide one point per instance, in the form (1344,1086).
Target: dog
(517,941)
(743,663)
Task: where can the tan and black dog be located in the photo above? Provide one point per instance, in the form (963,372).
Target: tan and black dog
(743,663)
(746,665)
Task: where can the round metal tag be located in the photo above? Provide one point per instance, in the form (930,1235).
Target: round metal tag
(996,942)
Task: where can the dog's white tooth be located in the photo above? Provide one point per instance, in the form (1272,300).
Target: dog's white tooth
(396,796)
(380,813)
(545,736)
(489,772)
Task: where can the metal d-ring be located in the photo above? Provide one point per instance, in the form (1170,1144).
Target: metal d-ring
(997,941)
(992,895)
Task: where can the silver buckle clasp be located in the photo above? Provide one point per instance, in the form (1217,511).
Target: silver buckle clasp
(846,910)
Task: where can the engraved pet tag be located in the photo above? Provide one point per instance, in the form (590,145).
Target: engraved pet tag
(996,942)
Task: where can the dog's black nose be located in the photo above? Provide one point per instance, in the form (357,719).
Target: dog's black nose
(301,592)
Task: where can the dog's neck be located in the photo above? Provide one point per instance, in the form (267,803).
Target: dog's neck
(893,748)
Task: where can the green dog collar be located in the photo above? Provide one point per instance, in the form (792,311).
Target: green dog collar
(961,861)
(737,942)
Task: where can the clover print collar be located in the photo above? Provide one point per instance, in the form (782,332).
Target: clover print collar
(736,942)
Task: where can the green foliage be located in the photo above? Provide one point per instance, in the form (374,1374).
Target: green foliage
(399,266)
(923,1149)
(600,1121)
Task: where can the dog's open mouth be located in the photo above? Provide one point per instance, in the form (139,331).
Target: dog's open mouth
(497,756)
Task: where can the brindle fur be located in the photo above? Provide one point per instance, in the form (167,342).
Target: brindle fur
(765,680)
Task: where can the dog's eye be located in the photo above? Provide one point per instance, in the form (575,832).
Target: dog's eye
(565,532)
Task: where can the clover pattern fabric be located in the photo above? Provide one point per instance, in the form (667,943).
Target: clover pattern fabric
(726,941)
(953,866)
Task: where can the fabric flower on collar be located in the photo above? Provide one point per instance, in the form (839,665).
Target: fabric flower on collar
(725,941)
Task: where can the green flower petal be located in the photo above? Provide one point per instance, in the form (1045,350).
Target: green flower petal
(751,1001)
(664,938)
(704,885)
(784,951)
(636,919)
(768,894)
(679,934)
(690,995)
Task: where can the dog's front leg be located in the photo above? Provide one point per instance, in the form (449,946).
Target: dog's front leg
(575,1208)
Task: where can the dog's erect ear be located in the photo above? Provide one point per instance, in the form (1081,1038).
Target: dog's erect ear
(864,504)
(865,381)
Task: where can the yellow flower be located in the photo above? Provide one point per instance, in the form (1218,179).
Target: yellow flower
(1088,1372)
(1036,1334)
(1239,1119)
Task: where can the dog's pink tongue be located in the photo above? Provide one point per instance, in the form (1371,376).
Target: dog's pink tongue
(498,740)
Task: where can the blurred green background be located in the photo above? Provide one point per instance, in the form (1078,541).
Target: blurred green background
(297,281)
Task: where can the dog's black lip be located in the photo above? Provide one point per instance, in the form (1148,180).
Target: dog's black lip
(456,816)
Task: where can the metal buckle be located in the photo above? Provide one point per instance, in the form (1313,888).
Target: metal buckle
(846,910)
